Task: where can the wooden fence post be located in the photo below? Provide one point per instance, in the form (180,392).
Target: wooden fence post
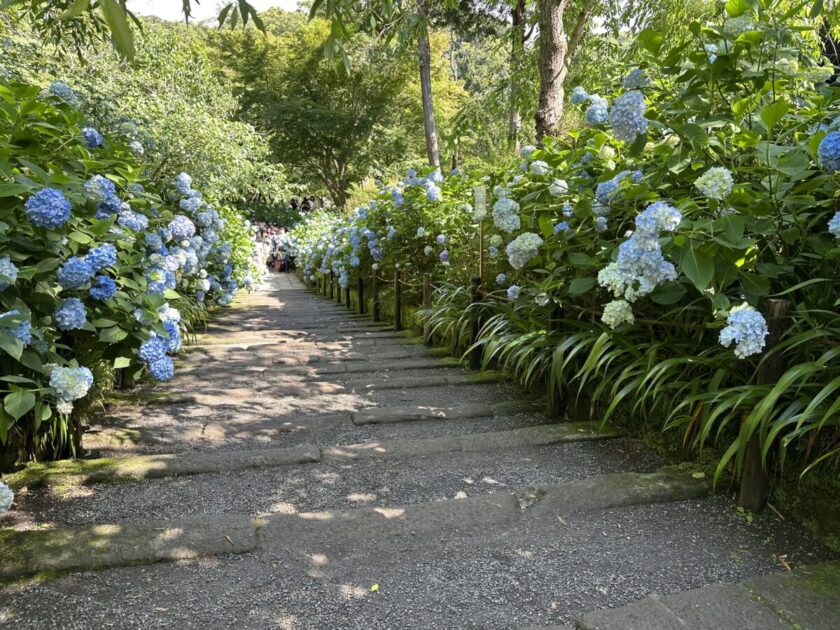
(397,301)
(427,304)
(332,285)
(348,301)
(552,396)
(360,287)
(755,482)
(374,289)
(337,291)
(475,323)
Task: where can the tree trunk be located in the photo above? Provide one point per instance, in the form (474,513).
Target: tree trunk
(429,125)
(552,65)
(516,46)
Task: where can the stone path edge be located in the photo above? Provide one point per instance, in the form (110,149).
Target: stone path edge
(28,553)
(93,471)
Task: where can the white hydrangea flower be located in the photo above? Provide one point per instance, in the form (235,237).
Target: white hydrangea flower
(522,249)
(7,497)
(538,167)
(716,183)
(616,313)
(558,187)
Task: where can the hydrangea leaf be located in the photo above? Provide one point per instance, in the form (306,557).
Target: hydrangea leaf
(18,403)
(697,266)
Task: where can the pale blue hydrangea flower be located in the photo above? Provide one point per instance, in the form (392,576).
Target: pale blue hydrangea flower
(513,291)
(711,51)
(527,151)
(493,251)
(153,349)
(137,147)
(428,250)
(354,261)
(834,225)
(501,279)
(104,288)
(48,208)
(505,215)
(181,227)
(616,313)
(562,226)
(716,183)
(7,497)
(183,183)
(99,189)
(747,328)
(92,137)
(64,93)
(522,249)
(190,204)
(567,210)
(75,273)
(8,273)
(71,383)
(102,257)
(70,314)
(421,232)
(600,224)
(598,110)
(538,167)
(578,95)
(627,116)
(441,239)
(496,240)
(828,152)
(173,336)
(163,369)
(134,221)
(636,80)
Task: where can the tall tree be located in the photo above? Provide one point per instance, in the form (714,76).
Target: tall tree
(408,23)
(557,50)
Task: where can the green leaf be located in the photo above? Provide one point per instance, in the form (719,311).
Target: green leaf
(112,334)
(581,285)
(650,40)
(121,362)
(75,10)
(738,7)
(18,403)
(668,293)
(754,284)
(121,33)
(12,190)
(697,266)
(80,237)
(11,344)
(546,226)
(772,113)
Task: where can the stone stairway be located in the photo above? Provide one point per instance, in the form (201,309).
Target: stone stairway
(308,469)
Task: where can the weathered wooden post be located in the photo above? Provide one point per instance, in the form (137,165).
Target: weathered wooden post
(348,301)
(360,287)
(397,301)
(375,313)
(755,482)
(337,291)
(475,323)
(427,304)
(332,284)
(552,395)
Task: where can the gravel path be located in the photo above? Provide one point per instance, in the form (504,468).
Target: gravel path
(263,376)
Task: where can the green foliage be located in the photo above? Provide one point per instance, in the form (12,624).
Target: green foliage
(743,92)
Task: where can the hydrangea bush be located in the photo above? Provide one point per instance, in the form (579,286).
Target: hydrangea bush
(98,262)
(702,185)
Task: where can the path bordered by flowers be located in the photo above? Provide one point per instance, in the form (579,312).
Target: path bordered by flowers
(311,470)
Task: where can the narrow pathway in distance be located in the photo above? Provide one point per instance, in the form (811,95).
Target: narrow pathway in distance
(308,469)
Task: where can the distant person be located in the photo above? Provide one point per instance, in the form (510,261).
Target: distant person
(294,204)
(305,206)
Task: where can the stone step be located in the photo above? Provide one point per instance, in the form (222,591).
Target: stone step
(91,471)
(808,597)
(138,541)
(381,415)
